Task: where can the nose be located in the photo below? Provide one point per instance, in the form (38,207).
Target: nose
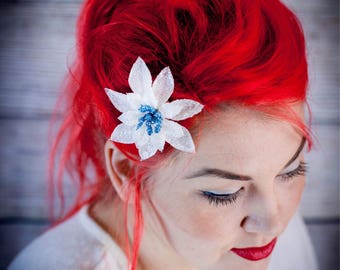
(264,214)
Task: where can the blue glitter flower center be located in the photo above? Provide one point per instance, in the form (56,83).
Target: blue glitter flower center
(152,119)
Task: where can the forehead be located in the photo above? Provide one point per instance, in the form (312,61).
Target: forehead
(245,137)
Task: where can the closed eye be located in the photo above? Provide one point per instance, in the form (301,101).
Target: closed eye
(298,171)
(222,199)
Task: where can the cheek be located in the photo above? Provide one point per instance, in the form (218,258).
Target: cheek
(291,196)
(296,190)
(194,217)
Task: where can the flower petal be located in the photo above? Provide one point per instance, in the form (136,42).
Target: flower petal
(171,128)
(141,136)
(140,77)
(134,100)
(150,99)
(147,151)
(118,100)
(188,108)
(170,110)
(163,86)
(130,118)
(183,143)
(123,134)
(157,139)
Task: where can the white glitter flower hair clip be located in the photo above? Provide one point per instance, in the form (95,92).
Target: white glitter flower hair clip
(148,120)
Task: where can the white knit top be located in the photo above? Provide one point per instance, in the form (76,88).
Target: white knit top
(81,244)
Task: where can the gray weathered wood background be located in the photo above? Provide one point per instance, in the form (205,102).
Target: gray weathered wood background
(36,43)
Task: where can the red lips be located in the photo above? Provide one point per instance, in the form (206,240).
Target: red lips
(255,253)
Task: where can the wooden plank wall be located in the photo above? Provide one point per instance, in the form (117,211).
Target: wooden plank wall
(37,41)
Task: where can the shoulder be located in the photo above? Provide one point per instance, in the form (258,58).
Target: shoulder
(67,246)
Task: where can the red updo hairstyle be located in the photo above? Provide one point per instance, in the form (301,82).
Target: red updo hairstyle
(244,52)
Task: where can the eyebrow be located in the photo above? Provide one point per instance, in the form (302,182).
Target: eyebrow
(233,176)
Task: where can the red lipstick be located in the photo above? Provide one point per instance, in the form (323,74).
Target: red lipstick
(255,253)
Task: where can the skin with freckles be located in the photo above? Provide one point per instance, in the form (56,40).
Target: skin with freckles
(187,229)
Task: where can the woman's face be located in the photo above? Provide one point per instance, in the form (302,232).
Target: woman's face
(238,190)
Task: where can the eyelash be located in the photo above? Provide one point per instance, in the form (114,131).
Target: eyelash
(227,199)
(221,199)
(300,170)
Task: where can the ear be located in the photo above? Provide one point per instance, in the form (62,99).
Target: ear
(118,167)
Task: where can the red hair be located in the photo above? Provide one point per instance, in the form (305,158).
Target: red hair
(250,53)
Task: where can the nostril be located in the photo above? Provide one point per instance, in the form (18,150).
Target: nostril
(252,224)
(243,222)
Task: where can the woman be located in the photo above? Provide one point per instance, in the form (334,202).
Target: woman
(186,133)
